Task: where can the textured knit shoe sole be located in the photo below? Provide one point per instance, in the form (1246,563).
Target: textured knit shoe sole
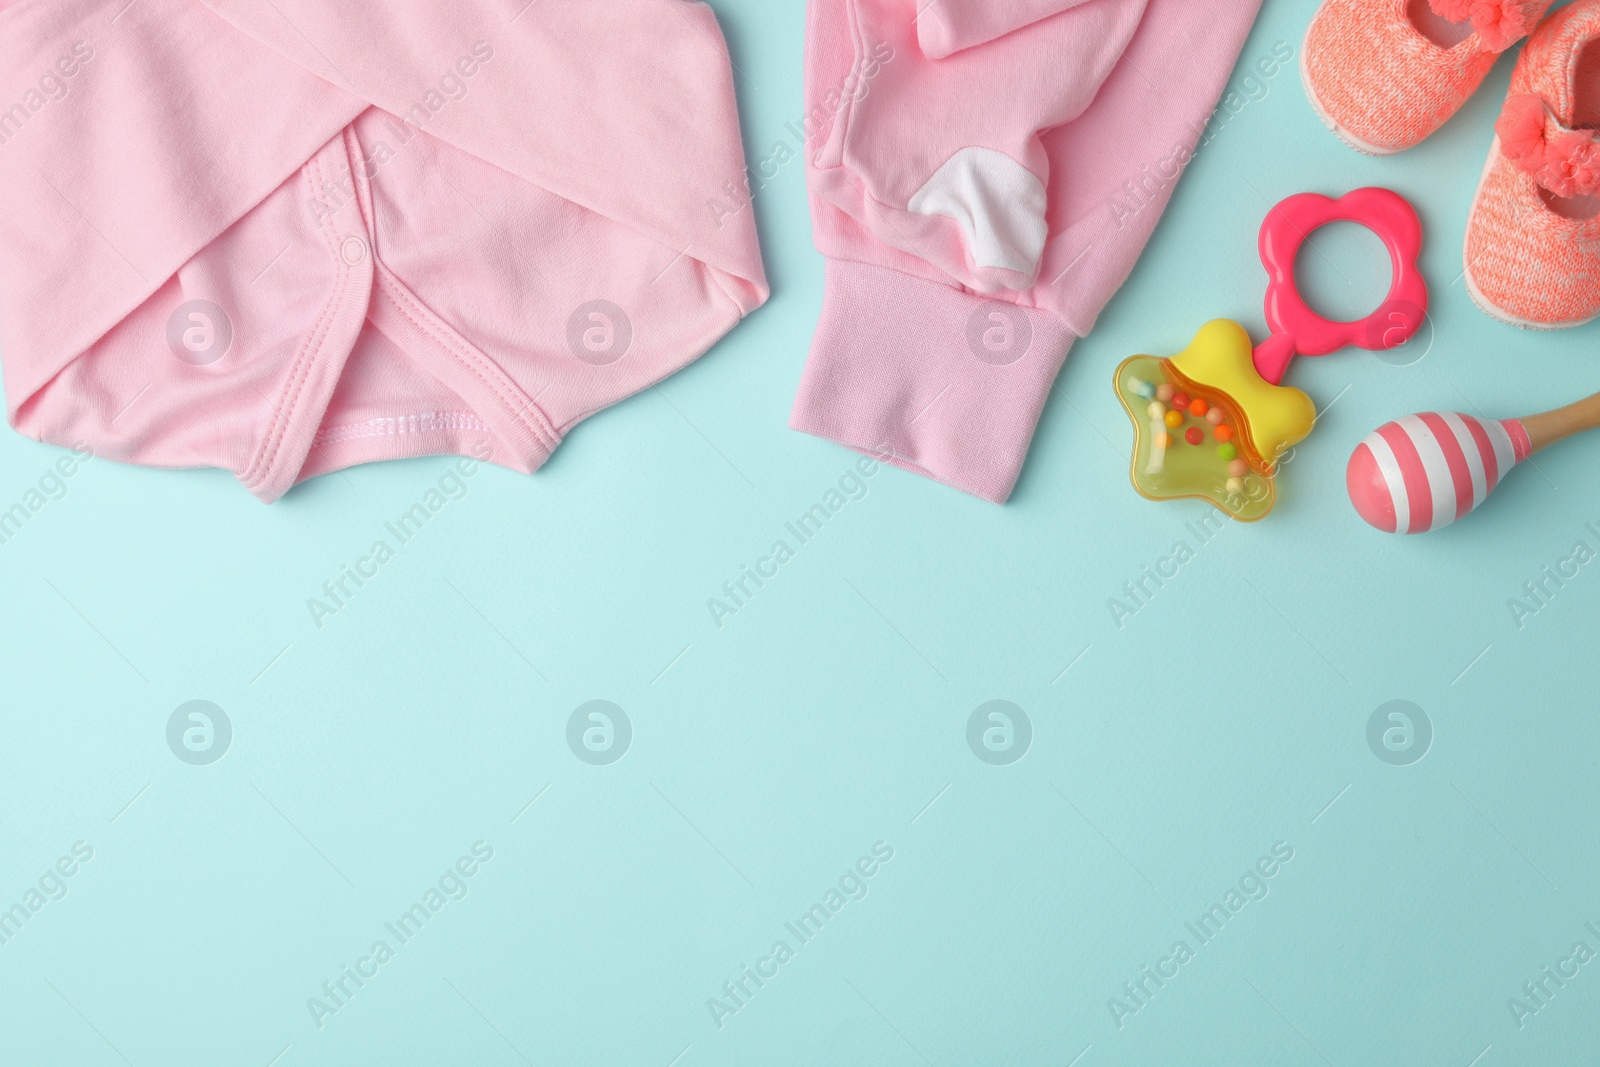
(1328,120)
(1501,315)
(1484,304)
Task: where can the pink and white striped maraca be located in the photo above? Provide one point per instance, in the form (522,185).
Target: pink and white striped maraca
(1424,472)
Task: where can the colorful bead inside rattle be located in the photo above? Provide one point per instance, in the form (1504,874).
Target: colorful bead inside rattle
(1226,454)
(1214,422)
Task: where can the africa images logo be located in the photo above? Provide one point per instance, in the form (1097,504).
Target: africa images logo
(51,87)
(1399,733)
(199,332)
(199,733)
(999,732)
(599,732)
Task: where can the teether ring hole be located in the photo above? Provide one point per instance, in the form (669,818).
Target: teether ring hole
(1343,271)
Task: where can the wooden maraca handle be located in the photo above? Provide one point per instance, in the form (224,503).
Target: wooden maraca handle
(1545,430)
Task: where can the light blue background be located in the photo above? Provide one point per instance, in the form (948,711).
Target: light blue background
(829,714)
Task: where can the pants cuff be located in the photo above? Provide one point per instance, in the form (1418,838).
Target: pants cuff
(931,379)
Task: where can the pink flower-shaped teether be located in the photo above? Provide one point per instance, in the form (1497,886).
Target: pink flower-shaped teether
(1296,329)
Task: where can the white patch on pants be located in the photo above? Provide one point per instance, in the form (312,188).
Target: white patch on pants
(998,203)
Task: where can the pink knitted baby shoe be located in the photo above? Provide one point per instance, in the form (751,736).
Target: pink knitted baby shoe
(1533,241)
(1385,74)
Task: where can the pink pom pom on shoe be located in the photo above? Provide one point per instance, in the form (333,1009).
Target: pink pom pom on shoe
(1532,251)
(1566,162)
(1500,23)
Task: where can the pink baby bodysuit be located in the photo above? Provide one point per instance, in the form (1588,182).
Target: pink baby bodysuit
(987,175)
(284,238)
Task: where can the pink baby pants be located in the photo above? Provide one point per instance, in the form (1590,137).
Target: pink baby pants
(286,237)
(986,175)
